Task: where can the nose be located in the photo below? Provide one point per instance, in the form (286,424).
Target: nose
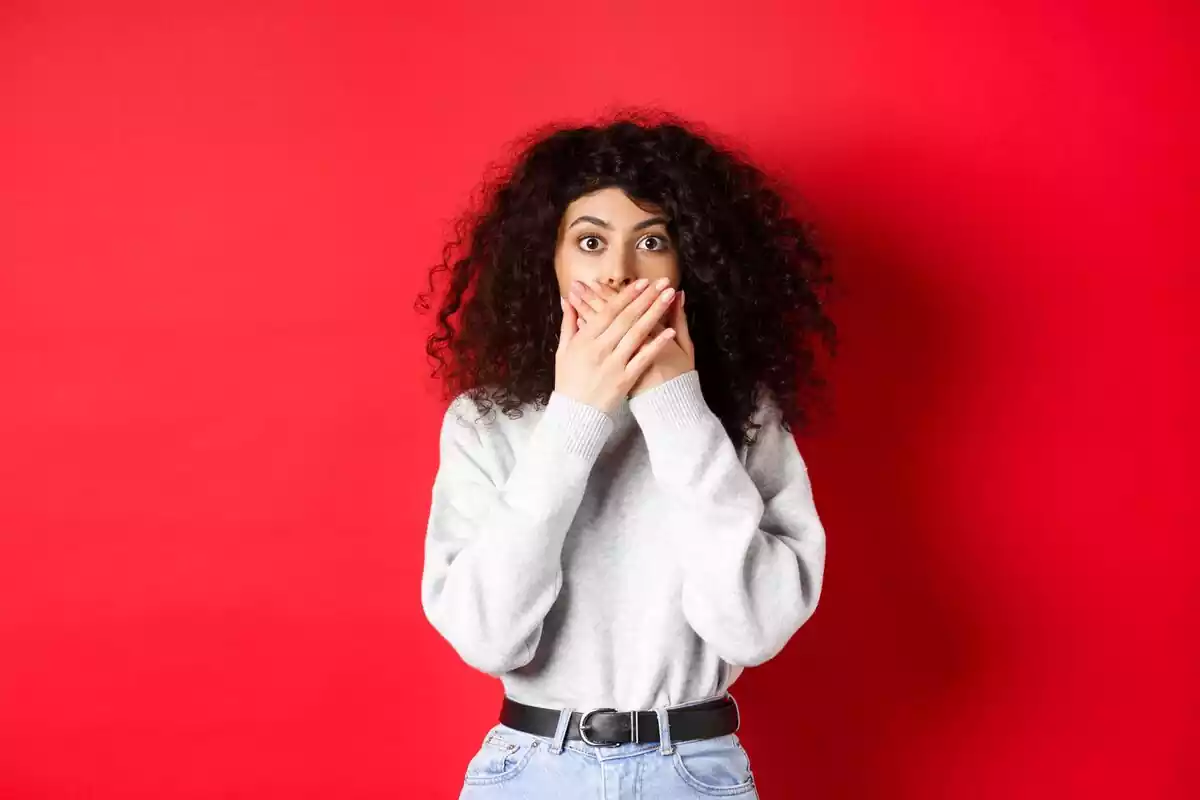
(620,267)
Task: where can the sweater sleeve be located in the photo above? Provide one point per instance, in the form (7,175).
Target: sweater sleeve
(752,544)
(493,546)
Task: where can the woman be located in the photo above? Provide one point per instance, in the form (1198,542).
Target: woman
(636,525)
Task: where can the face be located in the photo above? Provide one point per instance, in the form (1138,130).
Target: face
(607,237)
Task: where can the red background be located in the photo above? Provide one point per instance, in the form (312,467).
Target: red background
(218,438)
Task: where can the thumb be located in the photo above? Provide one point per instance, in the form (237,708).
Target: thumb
(569,324)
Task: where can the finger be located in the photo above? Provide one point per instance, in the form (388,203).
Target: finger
(645,357)
(570,323)
(590,296)
(615,305)
(637,322)
(643,298)
(617,300)
(603,289)
(614,295)
(639,319)
(583,311)
(681,326)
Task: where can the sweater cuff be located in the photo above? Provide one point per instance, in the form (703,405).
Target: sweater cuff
(577,428)
(675,404)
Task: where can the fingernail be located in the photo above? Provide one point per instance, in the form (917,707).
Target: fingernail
(562,301)
(667,295)
(641,283)
(682,298)
(662,283)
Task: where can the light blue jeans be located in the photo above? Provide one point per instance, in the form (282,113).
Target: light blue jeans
(513,764)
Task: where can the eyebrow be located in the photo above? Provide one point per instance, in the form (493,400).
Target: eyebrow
(646,223)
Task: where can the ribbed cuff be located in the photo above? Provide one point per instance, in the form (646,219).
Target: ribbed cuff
(674,404)
(577,428)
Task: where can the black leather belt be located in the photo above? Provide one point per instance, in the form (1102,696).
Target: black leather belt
(605,727)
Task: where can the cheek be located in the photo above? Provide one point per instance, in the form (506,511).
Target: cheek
(655,267)
(568,268)
(664,267)
(673,266)
(562,269)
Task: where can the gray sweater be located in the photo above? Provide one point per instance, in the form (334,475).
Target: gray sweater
(627,561)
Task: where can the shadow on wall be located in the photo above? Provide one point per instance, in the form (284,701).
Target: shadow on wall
(893,654)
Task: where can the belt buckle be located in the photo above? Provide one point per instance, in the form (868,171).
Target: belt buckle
(583,728)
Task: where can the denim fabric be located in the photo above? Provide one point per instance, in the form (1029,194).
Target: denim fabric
(513,764)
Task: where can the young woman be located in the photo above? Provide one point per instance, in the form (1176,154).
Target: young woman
(636,525)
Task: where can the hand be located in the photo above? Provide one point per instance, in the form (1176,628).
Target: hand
(597,363)
(675,357)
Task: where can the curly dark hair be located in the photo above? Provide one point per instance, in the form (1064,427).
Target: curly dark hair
(751,269)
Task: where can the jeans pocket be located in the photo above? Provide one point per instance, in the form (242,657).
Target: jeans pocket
(502,756)
(717,767)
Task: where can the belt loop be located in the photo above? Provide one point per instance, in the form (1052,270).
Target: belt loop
(560,734)
(664,732)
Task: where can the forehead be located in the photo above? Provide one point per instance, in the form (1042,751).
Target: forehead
(612,205)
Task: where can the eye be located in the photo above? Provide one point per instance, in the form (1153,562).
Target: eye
(662,243)
(595,240)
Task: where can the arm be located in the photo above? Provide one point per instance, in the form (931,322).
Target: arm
(493,548)
(752,544)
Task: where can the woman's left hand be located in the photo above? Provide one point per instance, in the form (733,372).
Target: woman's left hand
(676,358)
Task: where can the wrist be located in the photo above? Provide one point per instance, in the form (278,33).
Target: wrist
(602,405)
(574,425)
(677,402)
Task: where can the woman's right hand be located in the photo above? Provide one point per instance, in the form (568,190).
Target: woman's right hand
(599,363)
